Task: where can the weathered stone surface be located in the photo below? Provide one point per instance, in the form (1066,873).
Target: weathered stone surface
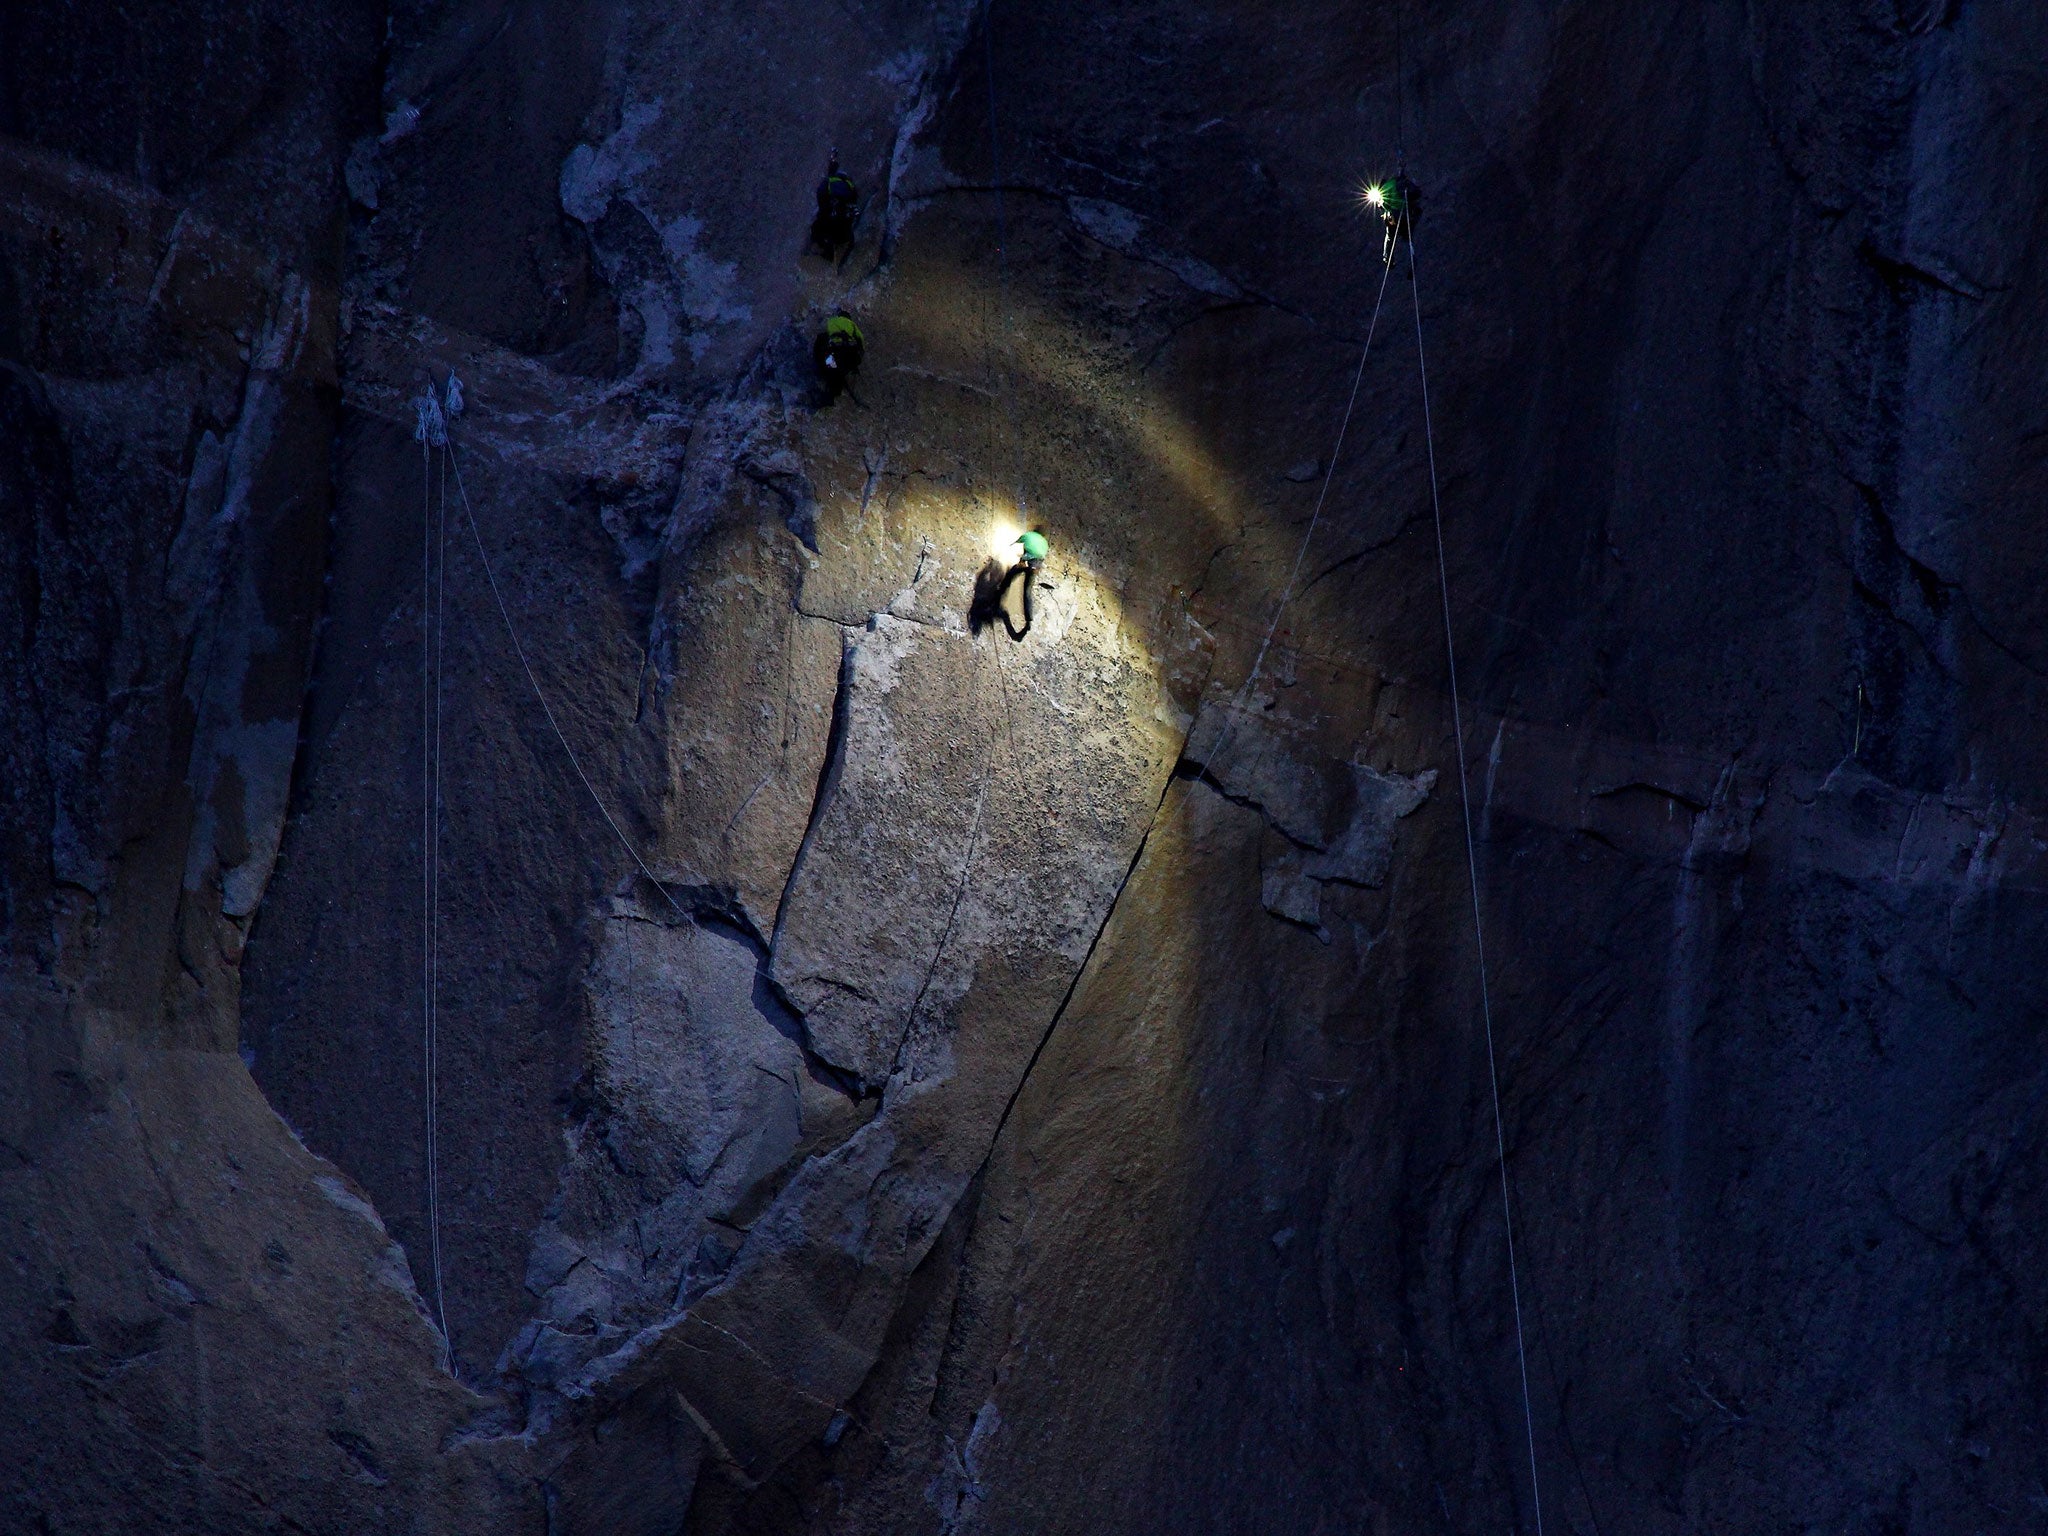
(903,822)
(739,706)
(893,1079)
(706,1104)
(208,1327)
(680,158)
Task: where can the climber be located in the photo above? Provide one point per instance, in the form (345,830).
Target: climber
(837,353)
(992,584)
(1399,205)
(838,211)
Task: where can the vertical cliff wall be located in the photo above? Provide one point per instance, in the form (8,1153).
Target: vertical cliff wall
(894,1077)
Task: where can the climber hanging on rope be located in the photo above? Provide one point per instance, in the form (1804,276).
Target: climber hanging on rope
(993,584)
(838,212)
(837,353)
(1398,203)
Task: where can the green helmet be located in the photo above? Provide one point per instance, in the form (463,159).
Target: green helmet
(1034,544)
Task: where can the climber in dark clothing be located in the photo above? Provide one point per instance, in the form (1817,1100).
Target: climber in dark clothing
(1399,205)
(838,211)
(993,584)
(838,352)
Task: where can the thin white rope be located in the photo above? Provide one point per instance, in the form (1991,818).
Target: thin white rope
(1472,877)
(430,829)
(1001,385)
(533,682)
(1003,382)
(440,819)
(427,811)
(1230,718)
(1006,388)
(1400,89)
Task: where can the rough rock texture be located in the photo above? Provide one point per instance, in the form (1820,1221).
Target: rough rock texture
(895,1078)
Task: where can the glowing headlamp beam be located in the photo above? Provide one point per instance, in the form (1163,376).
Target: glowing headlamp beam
(1002,538)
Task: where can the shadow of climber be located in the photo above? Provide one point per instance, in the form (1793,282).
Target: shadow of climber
(986,606)
(992,585)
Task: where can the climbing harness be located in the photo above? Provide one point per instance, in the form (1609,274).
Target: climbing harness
(837,195)
(1472,877)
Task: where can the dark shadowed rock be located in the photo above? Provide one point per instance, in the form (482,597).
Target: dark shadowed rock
(891,1076)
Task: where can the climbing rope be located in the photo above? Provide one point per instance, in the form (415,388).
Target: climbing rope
(1002,382)
(433,613)
(431,431)
(519,650)
(1231,716)
(1003,390)
(1400,88)
(440,807)
(996,389)
(1472,878)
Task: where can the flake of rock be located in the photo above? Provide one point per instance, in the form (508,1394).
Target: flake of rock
(903,820)
(1359,855)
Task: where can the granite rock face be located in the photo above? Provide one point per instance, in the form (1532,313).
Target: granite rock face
(885,1075)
